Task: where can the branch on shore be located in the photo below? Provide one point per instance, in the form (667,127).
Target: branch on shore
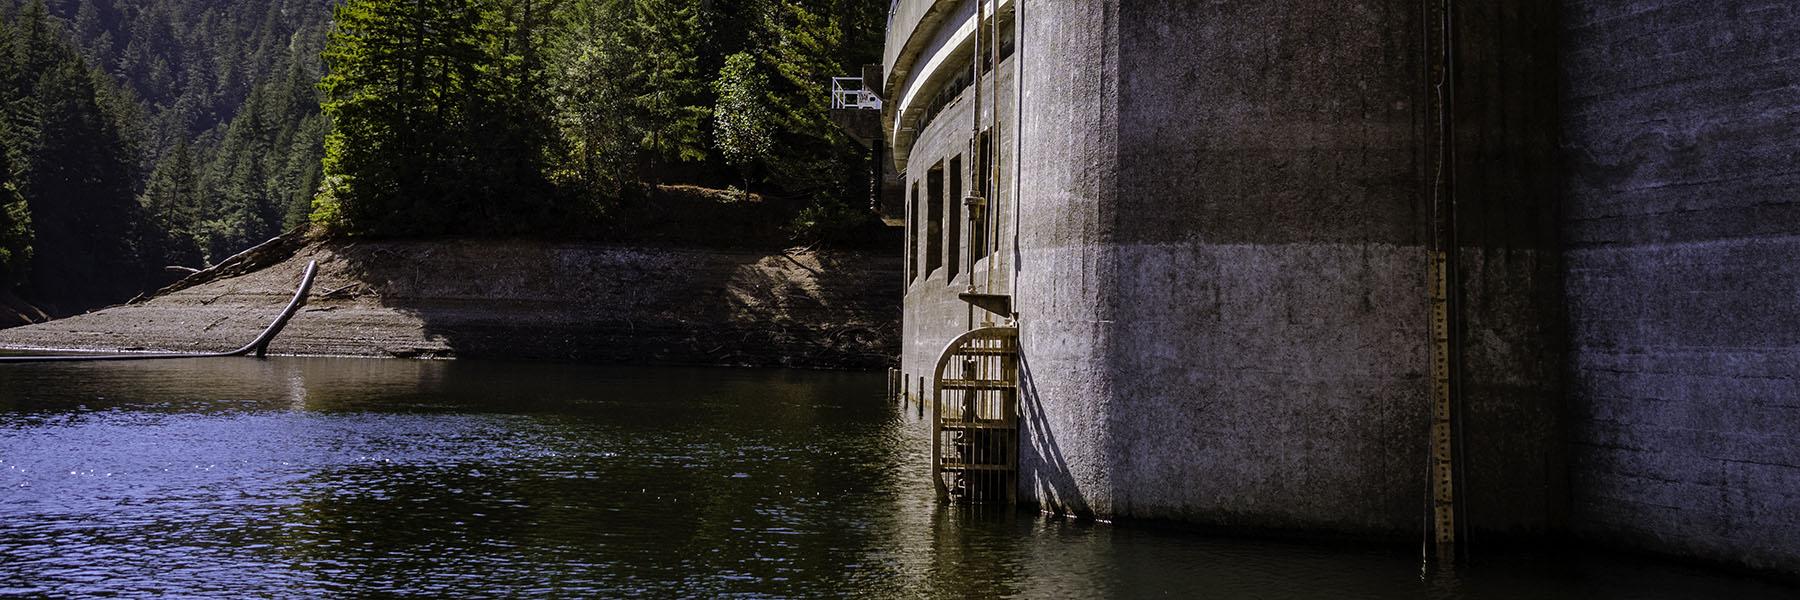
(259,346)
(276,249)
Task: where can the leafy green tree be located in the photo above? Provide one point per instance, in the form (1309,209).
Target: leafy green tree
(744,124)
(598,127)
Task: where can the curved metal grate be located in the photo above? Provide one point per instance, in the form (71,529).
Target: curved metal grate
(975,417)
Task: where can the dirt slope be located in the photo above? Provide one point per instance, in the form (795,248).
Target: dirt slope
(520,299)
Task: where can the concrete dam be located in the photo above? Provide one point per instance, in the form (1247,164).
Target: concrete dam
(1521,271)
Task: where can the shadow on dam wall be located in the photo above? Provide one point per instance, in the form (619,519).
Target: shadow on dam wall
(1041,460)
(1609,186)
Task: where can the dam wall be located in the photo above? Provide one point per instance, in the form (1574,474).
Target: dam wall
(943,169)
(1268,338)
(1682,128)
(1225,224)
(1067,270)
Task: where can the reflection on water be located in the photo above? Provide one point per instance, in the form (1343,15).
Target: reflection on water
(310,476)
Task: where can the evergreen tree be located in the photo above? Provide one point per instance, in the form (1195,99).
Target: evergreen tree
(669,92)
(238,211)
(506,172)
(444,116)
(39,45)
(171,203)
(79,184)
(102,98)
(800,47)
(599,129)
(301,172)
(15,229)
(403,76)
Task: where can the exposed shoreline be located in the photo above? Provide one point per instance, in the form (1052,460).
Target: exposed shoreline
(513,299)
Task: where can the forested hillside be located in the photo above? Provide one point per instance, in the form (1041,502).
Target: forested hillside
(145,133)
(508,116)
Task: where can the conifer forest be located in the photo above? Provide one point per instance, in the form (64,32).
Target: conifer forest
(140,135)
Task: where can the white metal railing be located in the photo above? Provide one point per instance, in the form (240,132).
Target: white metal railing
(850,93)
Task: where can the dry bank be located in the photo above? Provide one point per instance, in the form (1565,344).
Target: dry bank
(641,304)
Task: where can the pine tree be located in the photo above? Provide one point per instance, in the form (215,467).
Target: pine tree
(595,117)
(669,92)
(15,229)
(79,184)
(403,75)
(171,203)
(507,172)
(799,46)
(100,99)
(39,45)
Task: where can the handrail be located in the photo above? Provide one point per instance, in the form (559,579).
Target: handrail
(994,332)
(853,93)
(260,345)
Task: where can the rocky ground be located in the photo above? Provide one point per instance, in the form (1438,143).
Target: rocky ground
(519,299)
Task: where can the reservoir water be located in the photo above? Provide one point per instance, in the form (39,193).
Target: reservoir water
(308,477)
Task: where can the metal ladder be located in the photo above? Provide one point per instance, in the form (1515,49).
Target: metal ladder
(975,417)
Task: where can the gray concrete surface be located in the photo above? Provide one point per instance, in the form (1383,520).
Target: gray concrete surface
(1682,127)
(933,312)
(1226,217)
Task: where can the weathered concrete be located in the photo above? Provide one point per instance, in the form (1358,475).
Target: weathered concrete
(1225,218)
(1266,321)
(929,44)
(1067,203)
(1223,235)
(933,313)
(1682,123)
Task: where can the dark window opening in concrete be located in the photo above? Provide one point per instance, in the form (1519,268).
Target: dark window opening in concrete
(978,235)
(984,165)
(956,213)
(913,223)
(934,225)
(1006,50)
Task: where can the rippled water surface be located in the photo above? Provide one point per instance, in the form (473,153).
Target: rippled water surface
(305,477)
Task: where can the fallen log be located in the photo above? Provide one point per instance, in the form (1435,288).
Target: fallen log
(259,346)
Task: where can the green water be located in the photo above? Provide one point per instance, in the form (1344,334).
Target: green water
(314,477)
